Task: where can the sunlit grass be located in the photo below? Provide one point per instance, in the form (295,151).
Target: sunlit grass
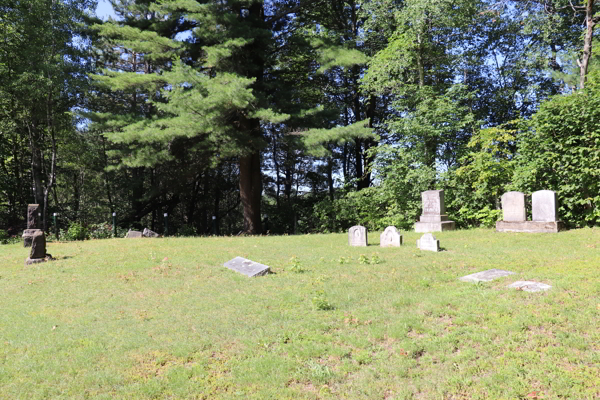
(161,318)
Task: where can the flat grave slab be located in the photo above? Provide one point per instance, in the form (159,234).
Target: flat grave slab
(486,276)
(247,267)
(529,286)
(133,234)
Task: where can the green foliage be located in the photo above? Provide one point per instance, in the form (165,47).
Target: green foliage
(395,200)
(485,173)
(99,231)
(561,152)
(76,231)
(5,238)
(320,301)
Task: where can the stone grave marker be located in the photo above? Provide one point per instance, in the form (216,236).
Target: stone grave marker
(247,267)
(133,234)
(544,213)
(357,236)
(486,276)
(434,218)
(513,206)
(390,237)
(38,248)
(544,206)
(33,211)
(148,233)
(529,286)
(428,242)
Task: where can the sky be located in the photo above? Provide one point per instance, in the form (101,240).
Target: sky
(105,10)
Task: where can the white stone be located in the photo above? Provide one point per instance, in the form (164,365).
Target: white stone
(428,242)
(529,286)
(247,267)
(544,206)
(486,276)
(390,237)
(513,206)
(357,236)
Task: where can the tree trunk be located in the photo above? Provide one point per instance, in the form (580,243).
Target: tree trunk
(587,44)
(250,191)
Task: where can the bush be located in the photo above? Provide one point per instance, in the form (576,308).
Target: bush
(76,231)
(100,231)
(5,238)
(562,153)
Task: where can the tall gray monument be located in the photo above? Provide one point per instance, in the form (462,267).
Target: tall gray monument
(434,218)
(357,236)
(33,223)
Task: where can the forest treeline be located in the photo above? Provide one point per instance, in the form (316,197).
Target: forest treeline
(293,116)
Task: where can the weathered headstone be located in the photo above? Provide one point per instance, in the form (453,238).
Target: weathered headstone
(529,286)
(247,267)
(133,234)
(38,248)
(357,236)
(428,242)
(513,206)
(433,218)
(486,276)
(148,233)
(544,213)
(32,216)
(544,206)
(390,237)
(28,237)
(32,224)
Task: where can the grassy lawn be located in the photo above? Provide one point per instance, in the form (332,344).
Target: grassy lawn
(161,318)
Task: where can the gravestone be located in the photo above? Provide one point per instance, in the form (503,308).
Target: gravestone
(428,242)
(544,213)
(33,220)
(148,233)
(513,206)
(247,267)
(529,286)
(390,237)
(133,234)
(38,248)
(433,218)
(544,206)
(357,236)
(486,276)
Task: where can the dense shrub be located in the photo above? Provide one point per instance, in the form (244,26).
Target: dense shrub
(561,152)
(76,231)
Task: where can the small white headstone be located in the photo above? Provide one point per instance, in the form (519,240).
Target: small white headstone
(390,237)
(544,206)
(428,242)
(529,286)
(357,236)
(513,206)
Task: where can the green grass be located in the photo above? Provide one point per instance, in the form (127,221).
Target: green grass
(161,318)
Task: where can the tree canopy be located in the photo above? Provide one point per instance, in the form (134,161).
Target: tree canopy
(294,115)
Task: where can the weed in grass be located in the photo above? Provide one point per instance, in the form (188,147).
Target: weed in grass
(320,301)
(296,265)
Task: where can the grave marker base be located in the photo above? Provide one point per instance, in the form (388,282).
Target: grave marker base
(530,226)
(424,227)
